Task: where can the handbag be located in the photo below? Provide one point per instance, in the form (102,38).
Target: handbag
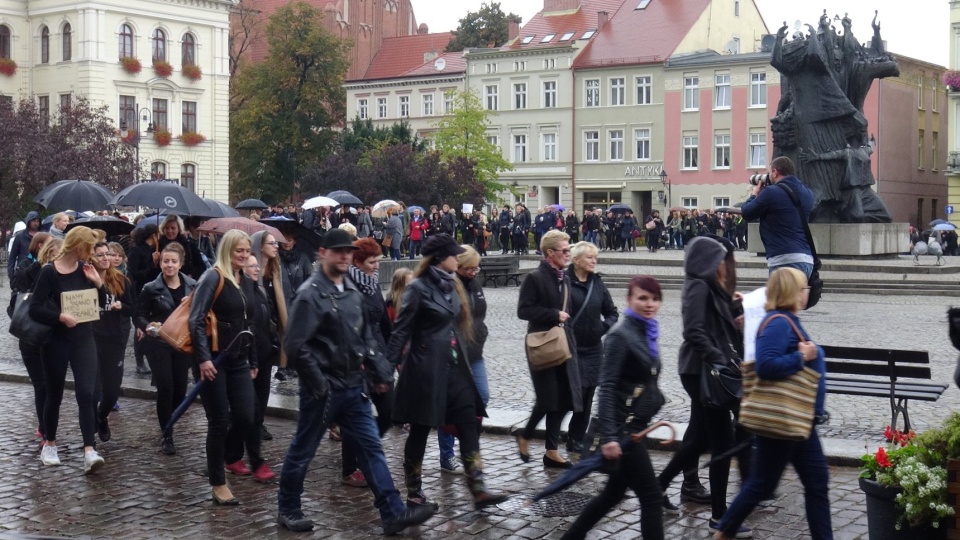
(815,283)
(387,240)
(378,235)
(176,329)
(26,328)
(782,408)
(646,401)
(550,348)
(721,386)
(651,225)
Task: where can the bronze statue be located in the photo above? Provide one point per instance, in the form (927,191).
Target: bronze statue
(825,77)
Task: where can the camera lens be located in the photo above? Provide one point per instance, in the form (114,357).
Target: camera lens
(758,179)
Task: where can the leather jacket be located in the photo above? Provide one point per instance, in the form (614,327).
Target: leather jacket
(234,311)
(329,341)
(628,367)
(156,302)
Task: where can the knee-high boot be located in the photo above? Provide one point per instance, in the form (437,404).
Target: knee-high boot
(482,498)
(413,479)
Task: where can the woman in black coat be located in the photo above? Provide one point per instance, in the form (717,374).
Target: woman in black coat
(593,313)
(143,266)
(654,234)
(558,389)
(435,385)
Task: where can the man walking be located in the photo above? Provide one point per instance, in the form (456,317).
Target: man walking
(332,347)
(20,249)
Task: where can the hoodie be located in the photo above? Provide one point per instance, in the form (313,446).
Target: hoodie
(275,292)
(20,249)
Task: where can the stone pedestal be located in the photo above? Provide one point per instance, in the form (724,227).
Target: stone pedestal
(850,240)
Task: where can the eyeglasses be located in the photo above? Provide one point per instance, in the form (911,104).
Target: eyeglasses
(471,269)
(564,251)
(274,243)
(99,255)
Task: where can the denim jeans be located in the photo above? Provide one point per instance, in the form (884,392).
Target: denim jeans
(806,268)
(350,409)
(479,371)
(770,461)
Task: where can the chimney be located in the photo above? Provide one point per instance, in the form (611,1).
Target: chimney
(602,18)
(550,6)
(513,29)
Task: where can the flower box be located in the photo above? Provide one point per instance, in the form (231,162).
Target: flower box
(162,68)
(7,67)
(129,138)
(191,138)
(952,80)
(192,72)
(131,64)
(162,137)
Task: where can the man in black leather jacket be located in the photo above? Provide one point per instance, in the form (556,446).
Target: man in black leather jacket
(331,344)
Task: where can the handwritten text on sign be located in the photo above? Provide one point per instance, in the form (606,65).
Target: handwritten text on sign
(83,305)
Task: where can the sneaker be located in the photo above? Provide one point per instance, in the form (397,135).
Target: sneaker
(237,467)
(264,473)
(103,429)
(354,479)
(295,521)
(91,462)
(742,532)
(167,446)
(48,455)
(450,466)
(669,507)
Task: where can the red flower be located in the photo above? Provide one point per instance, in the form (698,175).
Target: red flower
(882,459)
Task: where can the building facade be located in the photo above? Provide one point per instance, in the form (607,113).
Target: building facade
(67,48)
(952,165)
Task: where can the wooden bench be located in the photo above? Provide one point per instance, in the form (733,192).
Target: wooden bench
(886,373)
(495,269)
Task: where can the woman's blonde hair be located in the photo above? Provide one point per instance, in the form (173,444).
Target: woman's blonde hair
(118,248)
(56,217)
(50,250)
(582,248)
(783,289)
(225,250)
(552,240)
(469,257)
(79,237)
(401,278)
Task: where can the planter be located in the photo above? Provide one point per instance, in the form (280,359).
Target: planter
(953,498)
(131,64)
(7,67)
(162,137)
(882,514)
(162,69)
(192,139)
(192,72)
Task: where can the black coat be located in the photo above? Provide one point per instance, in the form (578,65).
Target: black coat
(709,332)
(140,267)
(628,365)
(156,304)
(557,388)
(597,318)
(478,308)
(427,322)
(193,264)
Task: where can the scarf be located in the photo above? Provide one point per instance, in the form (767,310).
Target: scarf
(444,280)
(653,330)
(368,285)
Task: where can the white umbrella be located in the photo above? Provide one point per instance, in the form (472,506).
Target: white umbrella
(317,202)
(380,209)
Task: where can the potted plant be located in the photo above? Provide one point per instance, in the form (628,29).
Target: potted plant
(952,80)
(7,67)
(162,136)
(162,68)
(192,72)
(191,138)
(131,64)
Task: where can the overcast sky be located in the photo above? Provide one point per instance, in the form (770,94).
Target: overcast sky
(915,28)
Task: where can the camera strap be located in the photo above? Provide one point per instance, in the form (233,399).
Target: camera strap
(806,226)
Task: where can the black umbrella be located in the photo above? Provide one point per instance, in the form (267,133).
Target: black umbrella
(307,240)
(344,197)
(620,209)
(74,194)
(251,204)
(111,225)
(162,195)
(152,219)
(219,209)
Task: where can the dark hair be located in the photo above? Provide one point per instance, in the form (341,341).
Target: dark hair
(142,234)
(784,166)
(366,248)
(647,283)
(39,238)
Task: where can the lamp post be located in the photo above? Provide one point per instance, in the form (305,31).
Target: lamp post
(665,180)
(135,140)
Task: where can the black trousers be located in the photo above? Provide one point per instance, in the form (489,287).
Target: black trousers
(554,421)
(33,360)
(349,448)
(169,376)
(580,420)
(78,350)
(230,403)
(468,433)
(261,387)
(110,353)
(505,239)
(520,243)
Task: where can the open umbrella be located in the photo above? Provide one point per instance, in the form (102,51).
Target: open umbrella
(307,241)
(379,210)
(728,209)
(936,222)
(944,227)
(251,204)
(111,225)
(559,207)
(317,202)
(344,197)
(620,209)
(75,194)
(410,209)
(219,209)
(247,225)
(152,219)
(162,195)
(678,209)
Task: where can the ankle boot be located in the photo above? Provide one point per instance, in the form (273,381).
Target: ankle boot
(413,479)
(473,466)
(692,490)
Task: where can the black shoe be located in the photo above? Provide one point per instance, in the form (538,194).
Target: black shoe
(411,516)
(554,464)
(575,446)
(695,494)
(280,375)
(103,430)
(295,522)
(265,435)
(142,369)
(167,446)
(669,507)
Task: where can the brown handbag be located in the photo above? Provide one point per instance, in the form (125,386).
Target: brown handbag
(176,329)
(551,348)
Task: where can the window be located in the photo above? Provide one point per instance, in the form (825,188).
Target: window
(520,95)
(721,201)
(158,170)
(644,90)
(593,92)
(67,42)
(4,41)
(934,164)
(188,176)
(45,45)
(758,150)
(691,151)
(189,119)
(494,140)
(567,36)
(549,147)
(616,145)
(491,92)
(519,148)
(688,202)
(160,113)
(588,34)
(549,63)
(735,45)
(128,113)
(736,8)
(920,151)
(547,38)
(758,89)
(381,107)
(549,94)
(491,68)
(592,141)
(362,109)
(188,50)
(404,106)
(159,45)
(43,107)
(448,100)
(691,93)
(527,39)
(520,65)
(126,41)
(722,144)
(722,92)
(920,91)
(427,104)
(617,91)
(642,137)
(643,4)
(65,100)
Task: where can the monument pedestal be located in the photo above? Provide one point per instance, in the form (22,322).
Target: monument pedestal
(848,240)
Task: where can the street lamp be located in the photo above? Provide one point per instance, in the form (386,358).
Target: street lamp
(135,140)
(665,180)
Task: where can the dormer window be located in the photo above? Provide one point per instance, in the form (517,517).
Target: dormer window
(567,36)
(547,38)
(643,4)
(527,40)
(588,34)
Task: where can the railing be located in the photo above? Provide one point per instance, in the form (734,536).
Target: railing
(953,161)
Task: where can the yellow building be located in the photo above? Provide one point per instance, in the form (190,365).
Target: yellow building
(952,167)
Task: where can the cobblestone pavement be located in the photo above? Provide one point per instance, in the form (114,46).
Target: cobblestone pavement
(140,493)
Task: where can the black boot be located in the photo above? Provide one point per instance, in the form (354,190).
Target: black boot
(142,367)
(413,479)
(473,466)
(692,490)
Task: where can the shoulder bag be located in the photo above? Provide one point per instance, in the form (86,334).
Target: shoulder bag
(586,300)
(176,329)
(721,385)
(25,327)
(815,283)
(551,348)
(782,408)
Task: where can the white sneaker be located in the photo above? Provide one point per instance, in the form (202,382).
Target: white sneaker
(91,462)
(48,455)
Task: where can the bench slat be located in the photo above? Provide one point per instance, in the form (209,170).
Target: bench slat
(878,392)
(876,355)
(885,387)
(878,370)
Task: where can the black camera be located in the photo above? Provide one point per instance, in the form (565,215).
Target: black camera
(758,179)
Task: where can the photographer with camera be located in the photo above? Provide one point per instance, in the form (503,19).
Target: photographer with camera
(781,221)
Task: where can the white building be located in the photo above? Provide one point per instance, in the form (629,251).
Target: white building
(63,48)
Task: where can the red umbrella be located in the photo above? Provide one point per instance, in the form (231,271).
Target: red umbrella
(247,225)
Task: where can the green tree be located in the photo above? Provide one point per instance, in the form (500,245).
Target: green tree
(363,135)
(284,110)
(487,27)
(463,135)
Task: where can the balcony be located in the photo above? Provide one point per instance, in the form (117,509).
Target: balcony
(953,163)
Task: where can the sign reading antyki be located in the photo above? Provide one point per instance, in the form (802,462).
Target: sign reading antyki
(83,305)
(644,171)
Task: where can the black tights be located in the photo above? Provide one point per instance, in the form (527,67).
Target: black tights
(110,352)
(78,350)
(230,402)
(33,360)
(580,420)
(554,421)
(169,375)
(468,433)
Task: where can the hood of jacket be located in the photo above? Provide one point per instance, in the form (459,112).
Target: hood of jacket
(31,215)
(702,257)
(256,249)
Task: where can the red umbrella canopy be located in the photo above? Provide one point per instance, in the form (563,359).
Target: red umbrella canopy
(247,225)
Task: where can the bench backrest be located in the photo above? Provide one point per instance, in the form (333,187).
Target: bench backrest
(495,266)
(891,363)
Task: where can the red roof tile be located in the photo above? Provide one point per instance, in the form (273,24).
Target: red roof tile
(454,63)
(562,23)
(399,55)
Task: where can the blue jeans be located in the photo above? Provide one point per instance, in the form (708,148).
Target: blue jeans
(350,409)
(479,371)
(677,239)
(806,268)
(770,461)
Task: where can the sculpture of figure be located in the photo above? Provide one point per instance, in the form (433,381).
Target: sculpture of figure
(820,123)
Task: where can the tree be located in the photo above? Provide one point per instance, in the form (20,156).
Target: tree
(488,27)
(463,135)
(246,31)
(286,108)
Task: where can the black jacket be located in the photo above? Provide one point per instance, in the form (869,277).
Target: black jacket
(116,323)
(156,302)
(23,281)
(193,265)
(21,246)
(234,311)
(599,315)
(329,341)
(140,267)
(478,309)
(296,268)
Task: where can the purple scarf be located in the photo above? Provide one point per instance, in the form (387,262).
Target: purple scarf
(653,330)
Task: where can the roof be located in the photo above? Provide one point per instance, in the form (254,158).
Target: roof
(453,63)
(713,58)
(398,55)
(572,25)
(639,36)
